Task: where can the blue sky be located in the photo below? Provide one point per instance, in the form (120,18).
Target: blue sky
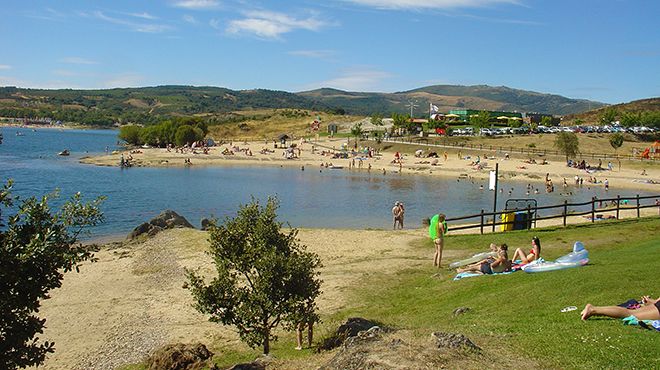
(605,50)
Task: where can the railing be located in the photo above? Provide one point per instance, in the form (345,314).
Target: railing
(415,140)
(491,219)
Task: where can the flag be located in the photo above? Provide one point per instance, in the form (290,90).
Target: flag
(433,108)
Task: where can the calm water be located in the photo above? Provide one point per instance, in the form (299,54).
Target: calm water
(332,198)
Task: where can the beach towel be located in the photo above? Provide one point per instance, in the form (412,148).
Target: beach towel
(646,324)
(463,275)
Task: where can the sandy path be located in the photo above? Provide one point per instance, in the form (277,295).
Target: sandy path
(513,168)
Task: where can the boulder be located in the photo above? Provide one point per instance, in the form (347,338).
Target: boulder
(206,224)
(454,341)
(166,220)
(180,356)
(351,328)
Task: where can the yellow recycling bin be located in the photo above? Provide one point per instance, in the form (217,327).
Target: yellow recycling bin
(508,217)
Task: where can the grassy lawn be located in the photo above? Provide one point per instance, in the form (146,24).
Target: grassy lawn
(519,314)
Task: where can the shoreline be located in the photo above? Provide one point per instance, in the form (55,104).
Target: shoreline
(513,168)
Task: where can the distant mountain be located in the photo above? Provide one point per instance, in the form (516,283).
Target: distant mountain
(448,97)
(150,104)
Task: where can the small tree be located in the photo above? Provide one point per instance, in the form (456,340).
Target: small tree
(185,135)
(130,134)
(264,277)
(568,144)
(377,119)
(356,131)
(608,116)
(546,121)
(36,248)
(616,141)
(481,120)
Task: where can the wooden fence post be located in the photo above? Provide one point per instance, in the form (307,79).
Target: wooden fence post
(482,221)
(637,205)
(565,211)
(593,209)
(618,201)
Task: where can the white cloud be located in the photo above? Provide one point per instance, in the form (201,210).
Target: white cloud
(429,4)
(315,54)
(271,25)
(5,66)
(190,19)
(143,15)
(197,4)
(214,23)
(138,27)
(123,80)
(357,80)
(77,60)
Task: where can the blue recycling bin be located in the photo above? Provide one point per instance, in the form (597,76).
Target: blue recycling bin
(522,220)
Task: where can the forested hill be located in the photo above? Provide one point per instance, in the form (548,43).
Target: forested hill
(142,105)
(447,97)
(150,104)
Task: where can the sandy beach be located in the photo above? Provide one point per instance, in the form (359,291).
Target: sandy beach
(311,155)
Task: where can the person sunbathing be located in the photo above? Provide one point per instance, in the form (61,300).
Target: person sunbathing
(650,310)
(534,253)
(490,265)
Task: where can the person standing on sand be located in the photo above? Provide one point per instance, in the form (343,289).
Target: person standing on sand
(439,241)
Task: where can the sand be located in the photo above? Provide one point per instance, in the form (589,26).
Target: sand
(313,154)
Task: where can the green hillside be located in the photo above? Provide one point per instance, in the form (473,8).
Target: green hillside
(150,104)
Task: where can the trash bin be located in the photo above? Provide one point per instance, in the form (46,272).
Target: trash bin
(522,221)
(508,217)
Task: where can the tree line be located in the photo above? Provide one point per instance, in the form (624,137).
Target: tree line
(179,131)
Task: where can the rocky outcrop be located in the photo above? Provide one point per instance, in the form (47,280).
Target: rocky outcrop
(166,220)
(351,328)
(180,357)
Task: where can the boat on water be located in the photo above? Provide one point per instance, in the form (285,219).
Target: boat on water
(65,152)
(18,133)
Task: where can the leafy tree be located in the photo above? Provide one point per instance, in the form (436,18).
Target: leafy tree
(36,248)
(185,135)
(515,123)
(608,116)
(150,135)
(400,121)
(578,121)
(264,276)
(616,141)
(130,134)
(568,144)
(481,120)
(377,119)
(546,121)
(356,131)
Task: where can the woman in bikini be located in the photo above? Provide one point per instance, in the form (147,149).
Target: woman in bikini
(534,253)
(490,265)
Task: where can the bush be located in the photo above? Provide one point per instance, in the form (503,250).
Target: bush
(185,135)
(130,134)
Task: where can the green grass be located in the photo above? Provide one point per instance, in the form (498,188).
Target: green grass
(520,313)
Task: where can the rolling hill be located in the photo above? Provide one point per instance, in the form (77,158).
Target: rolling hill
(448,97)
(636,106)
(150,104)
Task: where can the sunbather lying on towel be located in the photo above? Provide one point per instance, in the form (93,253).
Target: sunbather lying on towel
(650,310)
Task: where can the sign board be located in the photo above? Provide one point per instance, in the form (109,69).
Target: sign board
(491,182)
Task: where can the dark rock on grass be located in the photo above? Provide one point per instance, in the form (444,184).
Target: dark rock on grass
(454,341)
(180,356)
(166,220)
(350,328)
(460,310)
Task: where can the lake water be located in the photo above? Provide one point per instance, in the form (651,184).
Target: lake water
(332,198)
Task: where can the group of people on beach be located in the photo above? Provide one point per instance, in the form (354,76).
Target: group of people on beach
(501,262)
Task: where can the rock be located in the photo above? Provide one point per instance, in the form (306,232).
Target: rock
(180,356)
(460,310)
(166,220)
(206,223)
(454,341)
(351,328)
